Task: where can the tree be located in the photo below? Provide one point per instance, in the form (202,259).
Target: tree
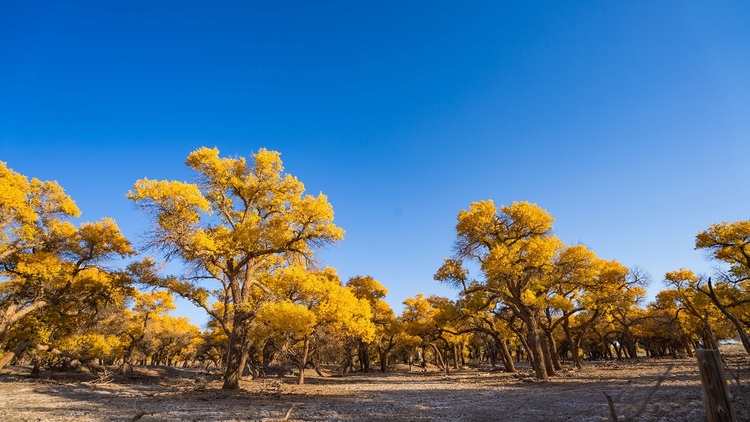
(236,224)
(515,250)
(47,262)
(315,302)
(730,244)
(147,310)
(700,312)
(386,331)
(600,287)
(432,319)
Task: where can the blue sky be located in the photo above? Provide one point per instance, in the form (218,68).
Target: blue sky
(628,121)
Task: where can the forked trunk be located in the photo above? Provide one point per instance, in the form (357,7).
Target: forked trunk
(548,365)
(236,358)
(535,349)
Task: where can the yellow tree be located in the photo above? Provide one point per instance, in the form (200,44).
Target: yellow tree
(515,250)
(236,223)
(626,316)
(483,314)
(685,287)
(589,289)
(169,340)
(33,215)
(314,301)
(45,261)
(730,244)
(371,290)
(433,319)
(147,308)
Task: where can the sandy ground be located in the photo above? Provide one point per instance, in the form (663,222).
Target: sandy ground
(650,390)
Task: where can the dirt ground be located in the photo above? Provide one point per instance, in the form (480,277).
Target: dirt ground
(649,390)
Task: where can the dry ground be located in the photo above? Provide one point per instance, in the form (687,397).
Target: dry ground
(652,390)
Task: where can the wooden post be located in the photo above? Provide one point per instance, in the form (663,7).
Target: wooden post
(715,392)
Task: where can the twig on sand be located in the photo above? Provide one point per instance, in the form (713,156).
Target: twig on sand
(288,413)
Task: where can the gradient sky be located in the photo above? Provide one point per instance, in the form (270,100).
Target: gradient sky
(627,121)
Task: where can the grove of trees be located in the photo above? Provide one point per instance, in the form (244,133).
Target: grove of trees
(246,235)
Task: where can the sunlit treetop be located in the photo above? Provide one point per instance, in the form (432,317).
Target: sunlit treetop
(31,211)
(236,209)
(728,242)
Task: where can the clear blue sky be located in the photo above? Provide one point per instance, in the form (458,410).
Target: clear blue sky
(628,121)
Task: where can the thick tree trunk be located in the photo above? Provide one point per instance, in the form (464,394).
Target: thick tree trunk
(383,352)
(536,351)
(383,356)
(574,345)
(489,347)
(236,358)
(348,363)
(364,356)
(548,365)
(629,343)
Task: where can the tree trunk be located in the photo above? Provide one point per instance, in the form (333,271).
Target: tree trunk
(707,335)
(364,356)
(548,365)
(552,347)
(490,352)
(236,358)
(303,360)
(574,344)
(507,357)
(383,354)
(439,360)
(535,349)
(629,343)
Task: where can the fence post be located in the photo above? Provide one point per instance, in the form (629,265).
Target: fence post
(716,395)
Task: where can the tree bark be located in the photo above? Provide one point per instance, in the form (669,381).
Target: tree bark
(236,358)
(455,356)
(548,365)
(552,348)
(364,357)
(303,360)
(507,357)
(535,349)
